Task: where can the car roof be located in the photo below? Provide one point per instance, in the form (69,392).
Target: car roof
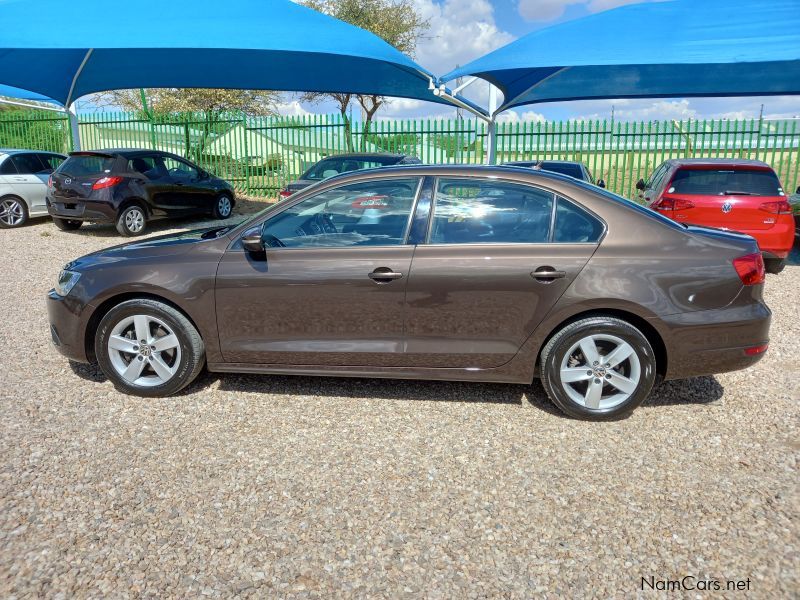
(367,155)
(716,162)
(18,150)
(126,152)
(544,160)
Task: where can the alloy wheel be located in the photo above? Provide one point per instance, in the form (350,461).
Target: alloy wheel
(224,206)
(11,212)
(144,350)
(600,371)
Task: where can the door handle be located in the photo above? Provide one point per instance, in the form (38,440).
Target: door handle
(547,274)
(384,275)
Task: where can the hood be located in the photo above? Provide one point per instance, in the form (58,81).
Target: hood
(155,247)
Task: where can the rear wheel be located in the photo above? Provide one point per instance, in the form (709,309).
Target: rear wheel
(67,224)
(598,368)
(223,207)
(132,221)
(13,212)
(148,348)
(774,265)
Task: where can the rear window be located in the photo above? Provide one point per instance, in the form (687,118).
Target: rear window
(564,169)
(87,164)
(725,182)
(336,165)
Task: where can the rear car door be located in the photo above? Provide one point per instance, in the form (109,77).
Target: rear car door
(498,256)
(30,182)
(330,287)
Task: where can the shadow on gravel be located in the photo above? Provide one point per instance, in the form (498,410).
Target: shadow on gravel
(698,390)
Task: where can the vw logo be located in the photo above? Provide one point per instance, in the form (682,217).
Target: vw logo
(727,207)
(68,180)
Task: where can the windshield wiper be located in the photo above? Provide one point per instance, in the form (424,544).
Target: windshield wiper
(738,193)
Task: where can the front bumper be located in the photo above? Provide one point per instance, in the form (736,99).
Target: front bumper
(68,319)
(82,210)
(707,342)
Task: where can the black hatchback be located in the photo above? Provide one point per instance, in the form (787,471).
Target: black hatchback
(130,187)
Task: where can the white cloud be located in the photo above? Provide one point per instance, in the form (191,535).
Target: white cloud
(292,108)
(460,31)
(528,116)
(550,10)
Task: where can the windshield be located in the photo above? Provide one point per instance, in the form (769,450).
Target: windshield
(81,165)
(564,168)
(722,182)
(343,164)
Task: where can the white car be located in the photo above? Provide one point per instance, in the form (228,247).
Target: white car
(23,184)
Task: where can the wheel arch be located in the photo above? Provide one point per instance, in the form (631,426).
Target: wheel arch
(642,324)
(112,301)
(137,200)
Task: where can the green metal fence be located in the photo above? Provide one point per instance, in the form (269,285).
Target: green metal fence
(260,155)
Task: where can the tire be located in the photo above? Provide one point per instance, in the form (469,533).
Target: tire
(132,221)
(67,224)
(13,212)
(223,206)
(138,369)
(774,265)
(564,351)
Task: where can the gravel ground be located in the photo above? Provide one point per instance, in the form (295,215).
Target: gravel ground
(288,486)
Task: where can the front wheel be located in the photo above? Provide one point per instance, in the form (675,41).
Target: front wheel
(148,348)
(598,368)
(131,221)
(774,265)
(13,212)
(223,207)
(67,224)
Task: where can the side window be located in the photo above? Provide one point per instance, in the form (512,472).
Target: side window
(468,211)
(179,169)
(657,177)
(28,164)
(574,225)
(51,161)
(7,167)
(372,213)
(151,167)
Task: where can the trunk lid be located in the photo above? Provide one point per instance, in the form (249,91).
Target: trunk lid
(74,179)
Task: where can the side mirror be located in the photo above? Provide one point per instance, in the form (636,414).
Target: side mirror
(251,241)
(640,185)
(797,191)
(601,183)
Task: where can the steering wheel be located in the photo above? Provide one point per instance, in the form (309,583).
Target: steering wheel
(326,223)
(271,241)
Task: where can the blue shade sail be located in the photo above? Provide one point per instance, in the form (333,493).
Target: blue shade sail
(63,52)
(678,48)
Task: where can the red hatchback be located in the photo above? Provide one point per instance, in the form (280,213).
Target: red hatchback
(731,194)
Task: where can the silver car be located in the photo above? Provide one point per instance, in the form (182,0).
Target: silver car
(23,184)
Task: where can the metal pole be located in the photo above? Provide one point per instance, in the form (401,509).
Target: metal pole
(73,126)
(491,128)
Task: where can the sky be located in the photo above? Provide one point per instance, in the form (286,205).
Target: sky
(462,30)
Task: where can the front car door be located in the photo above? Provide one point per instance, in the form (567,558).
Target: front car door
(498,256)
(189,193)
(330,287)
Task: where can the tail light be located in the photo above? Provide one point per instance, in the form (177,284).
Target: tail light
(753,350)
(674,204)
(778,207)
(750,268)
(284,194)
(106,182)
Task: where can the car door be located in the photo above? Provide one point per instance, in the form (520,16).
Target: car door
(330,286)
(497,258)
(190,195)
(30,182)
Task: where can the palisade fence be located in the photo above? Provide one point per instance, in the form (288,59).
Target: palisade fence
(260,155)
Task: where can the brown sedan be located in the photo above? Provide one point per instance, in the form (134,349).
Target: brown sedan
(459,273)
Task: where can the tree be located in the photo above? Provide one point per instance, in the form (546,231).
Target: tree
(212,104)
(395,21)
